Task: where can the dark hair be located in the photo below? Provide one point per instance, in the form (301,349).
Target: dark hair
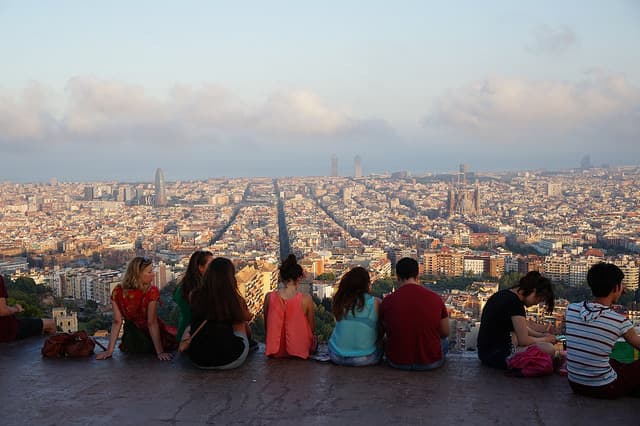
(192,277)
(603,278)
(218,298)
(535,281)
(351,290)
(406,268)
(290,270)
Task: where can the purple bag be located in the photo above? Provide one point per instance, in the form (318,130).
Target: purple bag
(532,362)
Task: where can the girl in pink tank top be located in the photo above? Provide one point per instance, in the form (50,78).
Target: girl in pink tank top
(289,315)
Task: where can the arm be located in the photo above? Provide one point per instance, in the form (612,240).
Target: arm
(522,332)
(535,333)
(248,316)
(115,331)
(154,331)
(6,310)
(309,311)
(445,327)
(632,338)
(265,312)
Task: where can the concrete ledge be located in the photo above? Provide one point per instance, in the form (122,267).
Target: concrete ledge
(141,390)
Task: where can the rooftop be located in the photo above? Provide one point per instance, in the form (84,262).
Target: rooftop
(140,390)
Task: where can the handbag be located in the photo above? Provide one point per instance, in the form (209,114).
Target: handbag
(186,342)
(532,362)
(71,345)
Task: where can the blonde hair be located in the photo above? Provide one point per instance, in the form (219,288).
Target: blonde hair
(131,279)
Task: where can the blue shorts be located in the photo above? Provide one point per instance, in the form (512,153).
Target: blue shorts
(28,327)
(444,343)
(356,361)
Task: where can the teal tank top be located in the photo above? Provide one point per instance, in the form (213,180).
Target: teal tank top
(356,335)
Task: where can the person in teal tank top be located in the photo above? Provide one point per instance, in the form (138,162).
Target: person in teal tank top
(190,281)
(355,339)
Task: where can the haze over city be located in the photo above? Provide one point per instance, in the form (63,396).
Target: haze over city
(111,91)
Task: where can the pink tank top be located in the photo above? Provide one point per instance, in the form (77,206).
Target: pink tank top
(288,331)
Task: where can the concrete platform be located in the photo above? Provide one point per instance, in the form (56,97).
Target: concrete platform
(141,390)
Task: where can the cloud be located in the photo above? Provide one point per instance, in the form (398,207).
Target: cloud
(92,110)
(501,109)
(27,116)
(551,41)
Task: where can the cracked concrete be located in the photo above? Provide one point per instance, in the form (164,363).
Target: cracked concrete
(141,390)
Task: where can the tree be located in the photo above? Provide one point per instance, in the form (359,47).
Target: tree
(509,280)
(327,276)
(382,286)
(257,328)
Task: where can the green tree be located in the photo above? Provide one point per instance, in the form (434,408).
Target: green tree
(382,286)
(327,276)
(509,280)
(257,328)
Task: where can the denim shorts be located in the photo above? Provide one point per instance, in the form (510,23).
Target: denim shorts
(28,327)
(444,343)
(356,361)
(237,362)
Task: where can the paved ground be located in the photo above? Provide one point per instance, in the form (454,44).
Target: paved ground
(140,390)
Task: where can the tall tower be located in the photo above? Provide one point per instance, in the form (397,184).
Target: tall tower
(161,196)
(334,165)
(476,198)
(357,165)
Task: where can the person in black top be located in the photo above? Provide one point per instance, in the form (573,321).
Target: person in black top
(503,325)
(222,342)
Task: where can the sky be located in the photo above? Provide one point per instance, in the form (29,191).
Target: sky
(94,90)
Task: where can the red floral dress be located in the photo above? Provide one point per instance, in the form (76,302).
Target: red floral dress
(134,305)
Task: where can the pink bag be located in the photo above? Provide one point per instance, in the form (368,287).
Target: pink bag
(532,362)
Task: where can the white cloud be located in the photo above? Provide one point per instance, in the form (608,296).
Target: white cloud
(107,111)
(503,109)
(27,116)
(551,41)
(300,112)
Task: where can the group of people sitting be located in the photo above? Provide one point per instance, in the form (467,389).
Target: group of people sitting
(214,317)
(408,328)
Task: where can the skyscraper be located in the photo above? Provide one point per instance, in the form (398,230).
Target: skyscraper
(357,165)
(161,196)
(334,165)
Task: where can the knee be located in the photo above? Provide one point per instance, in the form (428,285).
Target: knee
(48,326)
(547,348)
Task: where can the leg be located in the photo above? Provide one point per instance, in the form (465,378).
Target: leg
(49,326)
(28,327)
(628,380)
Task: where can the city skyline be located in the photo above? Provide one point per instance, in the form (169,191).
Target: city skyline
(112,91)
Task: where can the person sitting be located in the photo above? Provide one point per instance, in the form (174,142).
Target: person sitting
(219,320)
(136,301)
(13,328)
(592,329)
(289,315)
(191,280)
(503,324)
(415,321)
(355,340)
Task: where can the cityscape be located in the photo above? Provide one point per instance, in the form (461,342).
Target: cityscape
(76,237)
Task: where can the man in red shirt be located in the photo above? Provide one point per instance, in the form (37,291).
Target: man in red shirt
(12,328)
(415,321)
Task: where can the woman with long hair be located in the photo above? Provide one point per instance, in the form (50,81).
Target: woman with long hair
(355,338)
(289,315)
(191,280)
(219,314)
(136,301)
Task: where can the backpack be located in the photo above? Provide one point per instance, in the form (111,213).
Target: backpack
(532,362)
(72,345)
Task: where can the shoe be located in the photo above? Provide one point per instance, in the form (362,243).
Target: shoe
(253,345)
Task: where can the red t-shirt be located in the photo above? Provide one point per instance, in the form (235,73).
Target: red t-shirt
(8,324)
(411,319)
(134,303)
